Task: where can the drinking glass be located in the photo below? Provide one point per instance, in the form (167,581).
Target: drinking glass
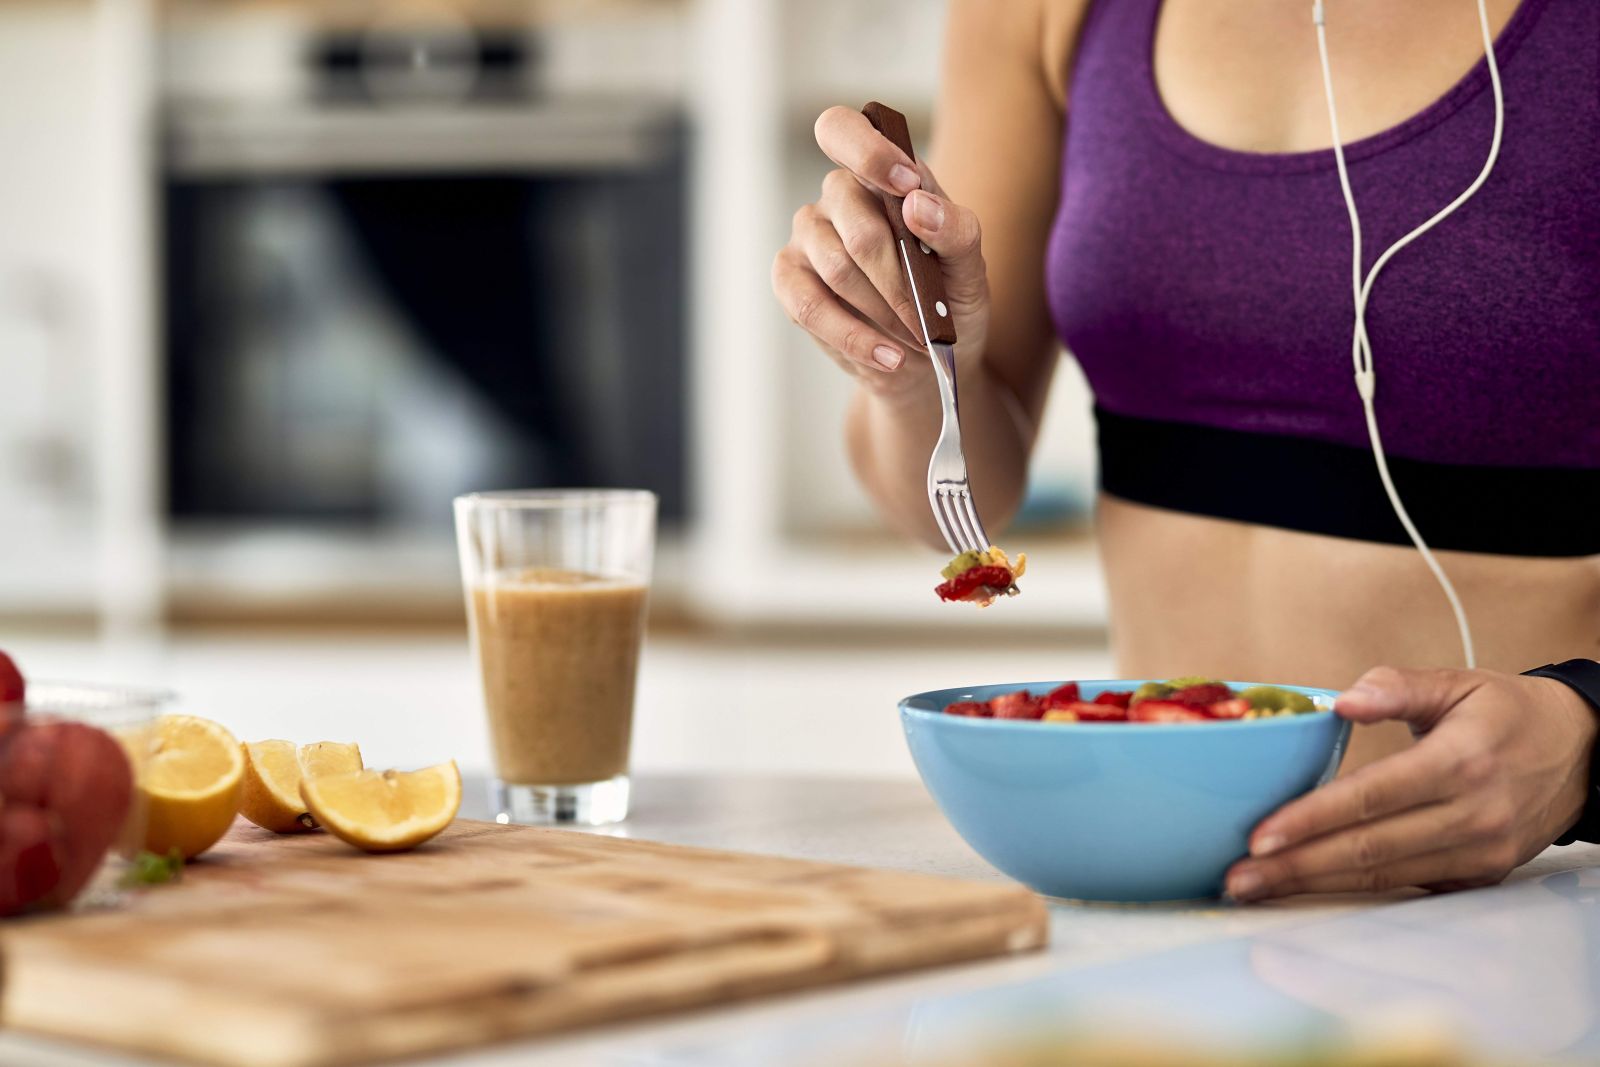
(556,582)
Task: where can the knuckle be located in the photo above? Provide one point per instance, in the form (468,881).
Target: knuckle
(1374,880)
(1369,801)
(971,290)
(1494,820)
(969,231)
(783,276)
(838,182)
(861,240)
(1383,678)
(803,217)
(1478,768)
(905,310)
(835,267)
(1366,851)
(854,342)
(808,309)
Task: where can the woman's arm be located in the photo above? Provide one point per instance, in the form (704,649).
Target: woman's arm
(996,150)
(997,143)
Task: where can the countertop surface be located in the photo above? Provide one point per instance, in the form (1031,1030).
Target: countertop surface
(1512,970)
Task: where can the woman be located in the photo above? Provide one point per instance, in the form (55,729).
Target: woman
(1184,233)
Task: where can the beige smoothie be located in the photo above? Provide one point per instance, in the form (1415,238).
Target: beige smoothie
(559,651)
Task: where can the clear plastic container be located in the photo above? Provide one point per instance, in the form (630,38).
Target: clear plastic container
(127,716)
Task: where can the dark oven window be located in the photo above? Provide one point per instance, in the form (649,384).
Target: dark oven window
(360,349)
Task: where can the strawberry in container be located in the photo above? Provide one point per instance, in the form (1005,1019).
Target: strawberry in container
(67,787)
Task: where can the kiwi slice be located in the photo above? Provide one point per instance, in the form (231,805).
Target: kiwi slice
(1272,698)
(961,564)
(1151,691)
(1191,679)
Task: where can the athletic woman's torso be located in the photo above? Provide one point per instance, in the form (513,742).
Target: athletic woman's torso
(1472,350)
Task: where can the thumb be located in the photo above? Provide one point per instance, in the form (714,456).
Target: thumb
(953,233)
(1418,697)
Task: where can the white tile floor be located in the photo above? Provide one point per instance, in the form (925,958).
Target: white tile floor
(798,705)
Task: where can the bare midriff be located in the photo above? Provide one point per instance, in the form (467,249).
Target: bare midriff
(559,654)
(1194,595)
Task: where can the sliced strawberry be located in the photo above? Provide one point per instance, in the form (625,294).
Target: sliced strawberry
(963,585)
(972,709)
(1086,711)
(1229,709)
(1200,696)
(1061,696)
(12,688)
(1164,711)
(1018,705)
(1115,699)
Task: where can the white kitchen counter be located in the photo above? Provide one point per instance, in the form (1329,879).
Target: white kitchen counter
(1514,970)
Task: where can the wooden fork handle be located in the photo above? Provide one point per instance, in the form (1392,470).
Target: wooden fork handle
(926,276)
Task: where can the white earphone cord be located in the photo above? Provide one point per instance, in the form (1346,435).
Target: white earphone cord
(1366,377)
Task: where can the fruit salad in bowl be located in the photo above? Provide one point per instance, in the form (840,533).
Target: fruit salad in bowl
(71,820)
(1178,700)
(1129,790)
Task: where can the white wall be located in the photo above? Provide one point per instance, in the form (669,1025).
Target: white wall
(47,277)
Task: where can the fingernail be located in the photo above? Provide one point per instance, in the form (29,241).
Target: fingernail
(1244,885)
(904,179)
(927,210)
(886,357)
(1266,846)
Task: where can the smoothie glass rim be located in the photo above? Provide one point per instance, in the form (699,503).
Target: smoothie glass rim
(555,499)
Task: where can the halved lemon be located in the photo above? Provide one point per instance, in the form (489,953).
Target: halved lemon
(272,773)
(385,811)
(192,777)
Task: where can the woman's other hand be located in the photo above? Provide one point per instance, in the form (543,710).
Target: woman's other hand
(840,276)
(1500,769)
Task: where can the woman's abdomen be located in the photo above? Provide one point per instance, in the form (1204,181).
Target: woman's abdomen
(1196,595)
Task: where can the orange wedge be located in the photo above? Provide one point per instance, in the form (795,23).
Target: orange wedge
(273,769)
(385,811)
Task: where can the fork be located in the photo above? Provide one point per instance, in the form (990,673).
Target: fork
(949,490)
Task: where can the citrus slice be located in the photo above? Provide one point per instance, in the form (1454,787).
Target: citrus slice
(272,773)
(328,757)
(385,811)
(271,794)
(193,774)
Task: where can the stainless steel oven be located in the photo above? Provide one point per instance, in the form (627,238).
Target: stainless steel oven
(425,276)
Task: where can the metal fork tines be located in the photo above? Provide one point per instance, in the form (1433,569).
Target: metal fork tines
(949,491)
(950,496)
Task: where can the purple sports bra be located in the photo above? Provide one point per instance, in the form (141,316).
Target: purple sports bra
(1206,293)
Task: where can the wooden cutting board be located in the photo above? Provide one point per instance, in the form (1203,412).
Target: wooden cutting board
(301,952)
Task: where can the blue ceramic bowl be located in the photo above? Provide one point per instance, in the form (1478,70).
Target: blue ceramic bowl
(1115,811)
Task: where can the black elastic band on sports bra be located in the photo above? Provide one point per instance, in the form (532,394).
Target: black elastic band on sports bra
(1300,484)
